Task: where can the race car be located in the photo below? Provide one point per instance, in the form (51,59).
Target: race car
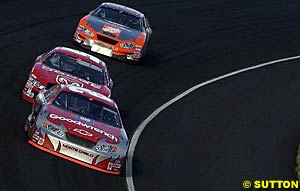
(64,65)
(115,31)
(79,125)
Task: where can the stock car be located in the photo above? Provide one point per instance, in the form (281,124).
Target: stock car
(64,65)
(79,125)
(115,31)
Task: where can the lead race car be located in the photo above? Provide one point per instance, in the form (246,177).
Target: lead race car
(116,31)
(79,125)
(64,65)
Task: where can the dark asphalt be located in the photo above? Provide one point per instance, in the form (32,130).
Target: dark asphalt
(192,42)
(244,127)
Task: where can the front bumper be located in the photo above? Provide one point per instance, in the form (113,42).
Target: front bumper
(104,49)
(75,153)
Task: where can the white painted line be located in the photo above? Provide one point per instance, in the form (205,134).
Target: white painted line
(142,126)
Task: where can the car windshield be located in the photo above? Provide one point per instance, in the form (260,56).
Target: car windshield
(75,67)
(119,17)
(88,108)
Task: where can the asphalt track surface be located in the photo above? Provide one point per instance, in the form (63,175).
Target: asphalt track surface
(243,128)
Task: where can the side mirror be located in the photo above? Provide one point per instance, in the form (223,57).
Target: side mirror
(39,58)
(92,12)
(110,83)
(149,30)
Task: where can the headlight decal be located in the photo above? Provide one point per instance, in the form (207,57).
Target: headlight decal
(127,45)
(105,148)
(138,48)
(85,30)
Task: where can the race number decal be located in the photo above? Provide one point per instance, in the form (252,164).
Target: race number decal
(92,93)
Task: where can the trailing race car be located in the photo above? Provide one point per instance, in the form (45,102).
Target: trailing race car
(115,31)
(67,66)
(79,125)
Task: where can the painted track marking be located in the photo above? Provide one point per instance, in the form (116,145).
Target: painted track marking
(142,126)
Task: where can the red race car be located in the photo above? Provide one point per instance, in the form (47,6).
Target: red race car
(115,31)
(79,125)
(67,66)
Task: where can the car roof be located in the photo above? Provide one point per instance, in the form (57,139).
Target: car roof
(89,94)
(123,8)
(81,55)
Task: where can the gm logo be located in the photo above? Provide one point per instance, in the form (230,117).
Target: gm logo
(83,132)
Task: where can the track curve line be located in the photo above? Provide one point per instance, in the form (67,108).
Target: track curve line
(142,126)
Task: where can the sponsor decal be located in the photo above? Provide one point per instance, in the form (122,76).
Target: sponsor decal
(77,150)
(54,130)
(85,119)
(37,132)
(112,30)
(83,132)
(106,148)
(112,137)
(77,38)
(102,50)
(68,81)
(41,141)
(129,57)
(28,89)
(35,137)
(136,55)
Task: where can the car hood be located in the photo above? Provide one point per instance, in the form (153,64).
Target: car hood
(49,75)
(84,127)
(111,29)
